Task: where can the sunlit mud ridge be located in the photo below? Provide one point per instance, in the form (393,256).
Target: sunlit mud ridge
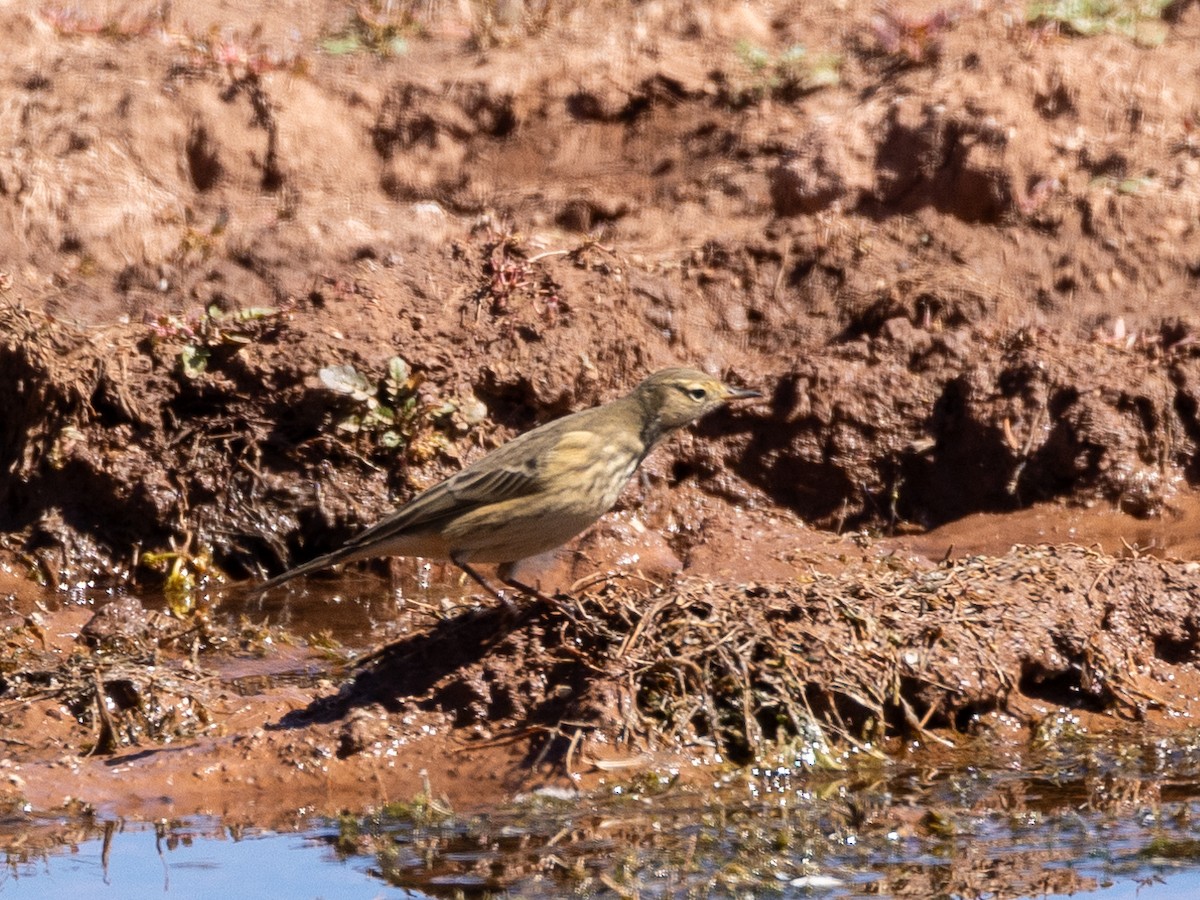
(828,664)
(886,650)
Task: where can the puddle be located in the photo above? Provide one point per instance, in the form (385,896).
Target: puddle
(1175,534)
(357,608)
(191,859)
(1085,818)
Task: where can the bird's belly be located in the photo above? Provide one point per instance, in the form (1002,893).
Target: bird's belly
(526,526)
(516,538)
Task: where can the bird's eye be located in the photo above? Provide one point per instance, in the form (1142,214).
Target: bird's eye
(697,393)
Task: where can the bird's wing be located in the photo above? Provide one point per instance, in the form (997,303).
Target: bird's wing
(507,473)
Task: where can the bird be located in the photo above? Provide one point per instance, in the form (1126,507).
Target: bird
(540,489)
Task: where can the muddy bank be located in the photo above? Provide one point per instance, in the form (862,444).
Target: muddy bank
(115,450)
(880,651)
(1042,644)
(265,277)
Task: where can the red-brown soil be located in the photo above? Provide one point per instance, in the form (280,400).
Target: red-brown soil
(963,275)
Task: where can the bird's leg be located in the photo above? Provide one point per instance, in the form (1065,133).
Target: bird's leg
(505,573)
(480,580)
(505,576)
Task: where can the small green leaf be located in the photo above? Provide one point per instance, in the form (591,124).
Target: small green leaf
(474,411)
(340,46)
(346,380)
(793,54)
(752,56)
(193,360)
(178,588)
(398,371)
(825,71)
(1132,185)
(391,439)
(379,415)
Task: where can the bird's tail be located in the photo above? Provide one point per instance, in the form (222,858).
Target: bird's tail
(344,554)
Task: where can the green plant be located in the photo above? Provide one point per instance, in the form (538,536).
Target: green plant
(373,29)
(424,809)
(790,73)
(211,332)
(1138,20)
(186,577)
(388,409)
(1131,186)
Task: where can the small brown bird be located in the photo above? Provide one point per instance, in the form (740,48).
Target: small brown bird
(540,489)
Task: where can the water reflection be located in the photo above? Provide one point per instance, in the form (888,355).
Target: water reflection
(1087,818)
(182,859)
(357,608)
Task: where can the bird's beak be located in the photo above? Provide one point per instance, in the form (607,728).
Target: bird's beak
(736,393)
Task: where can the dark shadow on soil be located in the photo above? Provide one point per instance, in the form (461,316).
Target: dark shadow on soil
(417,669)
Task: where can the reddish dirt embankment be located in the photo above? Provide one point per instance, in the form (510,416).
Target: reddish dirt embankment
(264,277)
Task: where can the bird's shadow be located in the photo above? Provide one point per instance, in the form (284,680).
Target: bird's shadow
(409,670)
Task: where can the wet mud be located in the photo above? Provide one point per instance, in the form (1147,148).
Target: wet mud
(265,277)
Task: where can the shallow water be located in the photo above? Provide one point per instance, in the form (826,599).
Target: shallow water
(1082,817)
(1173,534)
(193,859)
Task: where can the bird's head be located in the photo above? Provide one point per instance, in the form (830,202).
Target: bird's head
(672,398)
